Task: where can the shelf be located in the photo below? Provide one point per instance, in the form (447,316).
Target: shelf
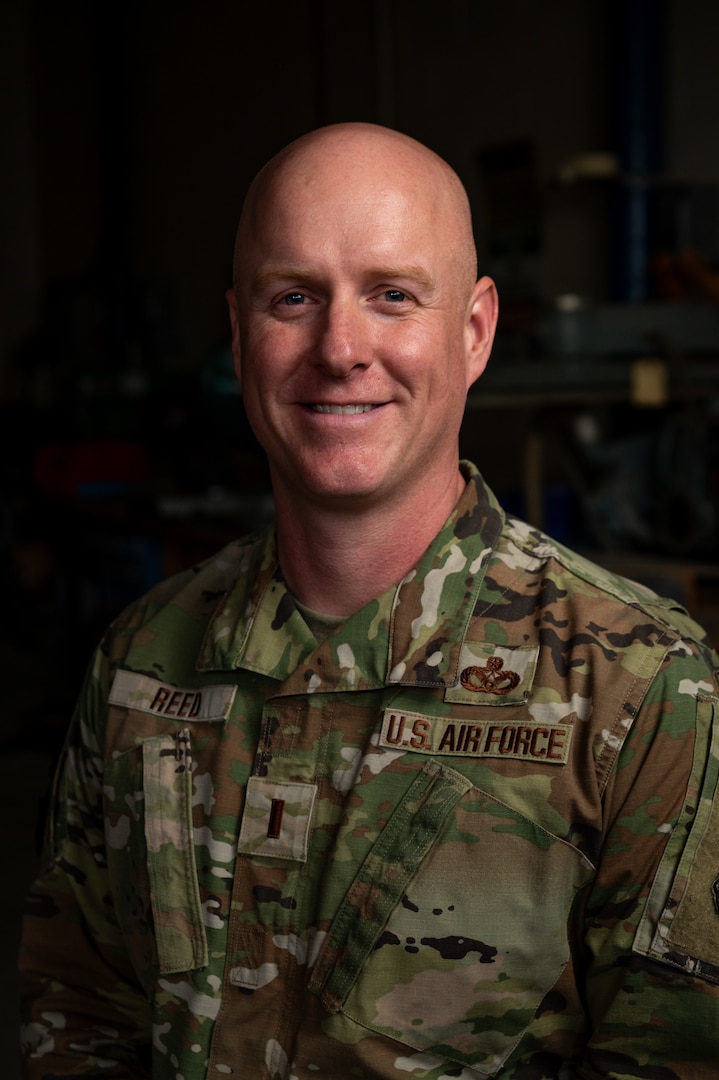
(593,380)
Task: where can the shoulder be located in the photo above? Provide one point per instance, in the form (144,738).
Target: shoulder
(184,603)
(582,583)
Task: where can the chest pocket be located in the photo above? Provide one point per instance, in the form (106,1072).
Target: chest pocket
(151,854)
(455,928)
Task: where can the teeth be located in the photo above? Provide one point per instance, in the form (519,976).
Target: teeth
(342,410)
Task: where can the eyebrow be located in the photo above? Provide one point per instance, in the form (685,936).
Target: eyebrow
(410,271)
(269,277)
(382,273)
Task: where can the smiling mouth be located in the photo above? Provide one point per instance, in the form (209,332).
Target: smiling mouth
(342,410)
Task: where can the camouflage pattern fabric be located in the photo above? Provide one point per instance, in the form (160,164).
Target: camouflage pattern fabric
(472,833)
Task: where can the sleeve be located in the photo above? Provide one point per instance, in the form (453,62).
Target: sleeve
(83,1010)
(652,920)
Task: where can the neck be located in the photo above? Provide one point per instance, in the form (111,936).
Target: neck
(335,561)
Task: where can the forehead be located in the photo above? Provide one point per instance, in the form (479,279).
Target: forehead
(345,208)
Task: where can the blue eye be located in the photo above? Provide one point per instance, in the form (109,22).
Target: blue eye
(395,295)
(293,299)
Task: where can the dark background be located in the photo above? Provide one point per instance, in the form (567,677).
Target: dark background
(585,134)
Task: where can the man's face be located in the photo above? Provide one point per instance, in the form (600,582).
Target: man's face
(353,331)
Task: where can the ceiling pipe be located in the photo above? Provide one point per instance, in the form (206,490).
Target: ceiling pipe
(637,62)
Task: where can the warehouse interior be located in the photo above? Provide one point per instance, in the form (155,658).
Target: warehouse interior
(585,136)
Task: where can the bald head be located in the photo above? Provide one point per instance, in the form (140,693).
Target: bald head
(358,161)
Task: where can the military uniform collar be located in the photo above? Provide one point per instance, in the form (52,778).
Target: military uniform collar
(411,635)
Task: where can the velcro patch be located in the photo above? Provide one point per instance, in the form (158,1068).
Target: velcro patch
(276,819)
(132,690)
(440,735)
(492,674)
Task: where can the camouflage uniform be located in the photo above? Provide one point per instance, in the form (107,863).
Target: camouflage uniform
(470,834)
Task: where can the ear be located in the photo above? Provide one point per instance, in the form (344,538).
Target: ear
(231,298)
(480,326)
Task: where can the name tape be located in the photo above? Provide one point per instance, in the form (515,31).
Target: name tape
(140,692)
(415,732)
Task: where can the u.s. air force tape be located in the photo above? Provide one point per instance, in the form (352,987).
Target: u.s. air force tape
(438,735)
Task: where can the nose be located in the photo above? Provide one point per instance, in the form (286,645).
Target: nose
(342,344)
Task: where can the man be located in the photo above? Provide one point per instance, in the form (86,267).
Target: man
(400,788)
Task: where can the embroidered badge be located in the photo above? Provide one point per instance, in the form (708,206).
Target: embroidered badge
(490,678)
(493,674)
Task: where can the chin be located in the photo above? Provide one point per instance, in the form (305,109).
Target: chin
(344,470)
(341,492)
(345,484)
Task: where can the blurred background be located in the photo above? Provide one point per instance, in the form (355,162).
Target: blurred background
(585,134)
